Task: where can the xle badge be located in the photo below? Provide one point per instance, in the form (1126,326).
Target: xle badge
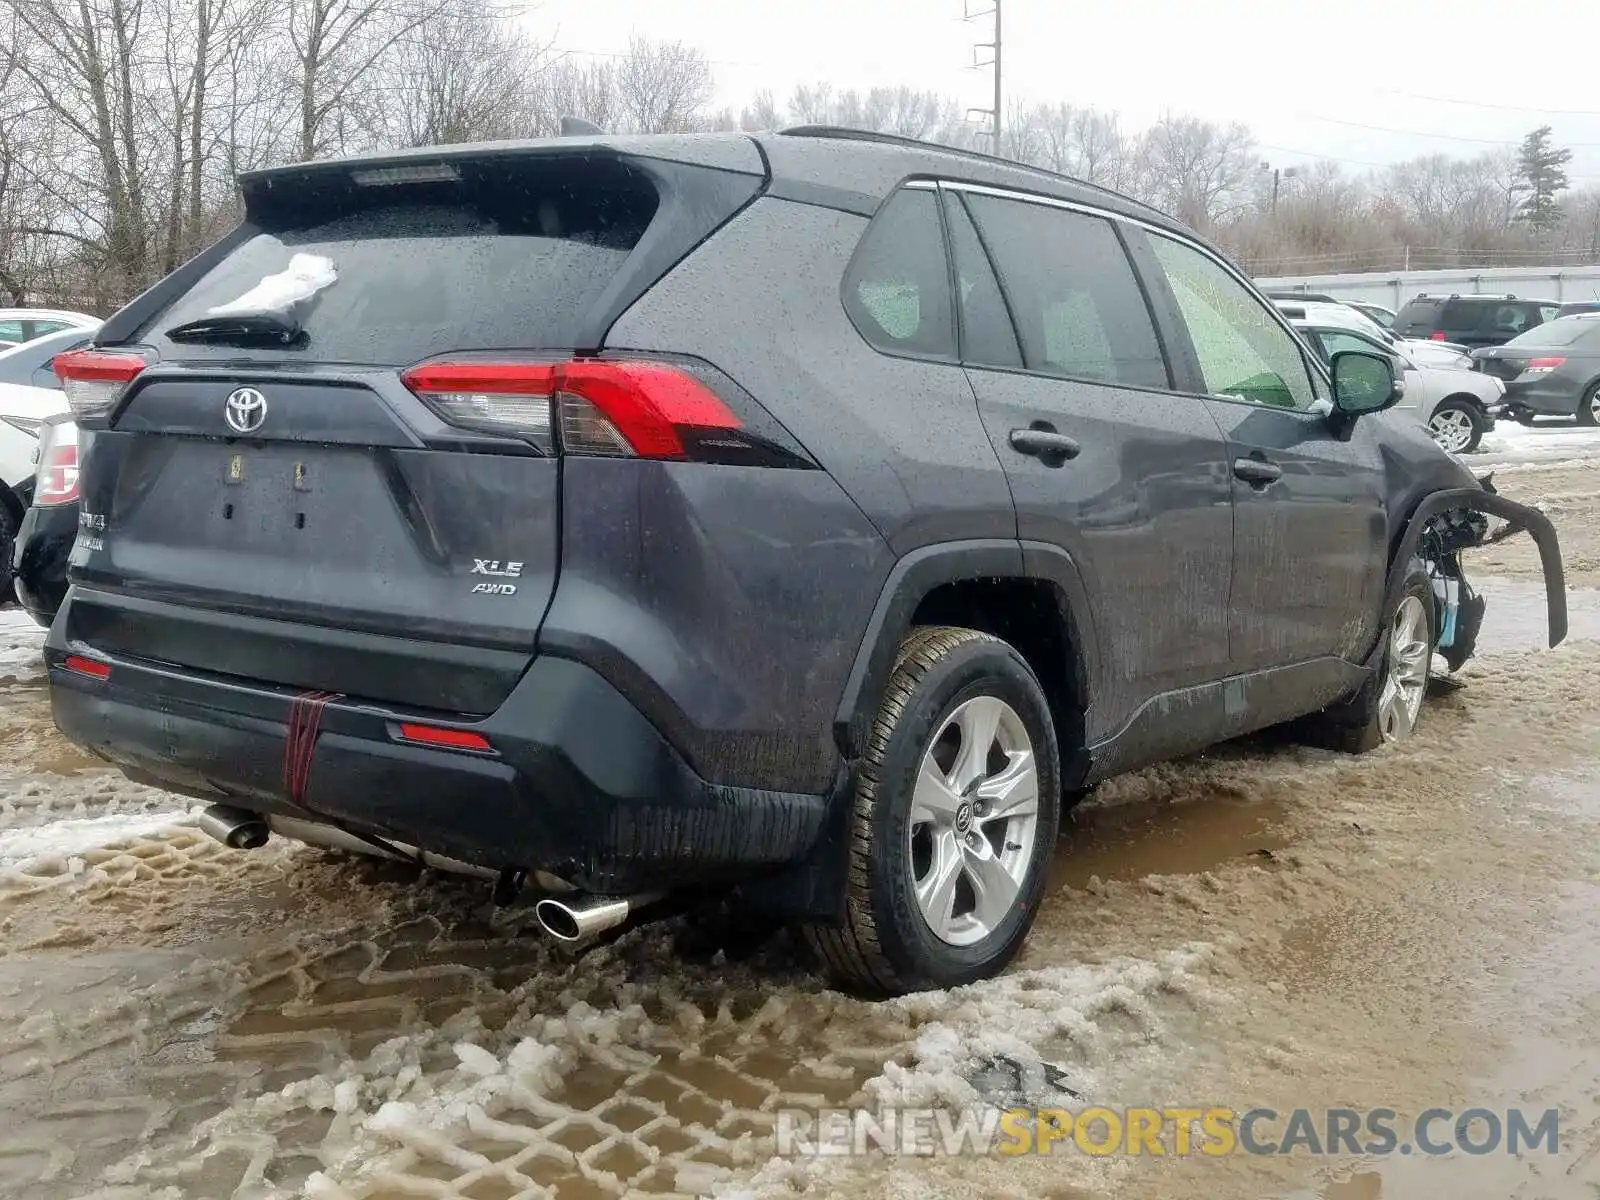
(493,566)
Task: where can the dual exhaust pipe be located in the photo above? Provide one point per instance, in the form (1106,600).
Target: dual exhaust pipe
(569,919)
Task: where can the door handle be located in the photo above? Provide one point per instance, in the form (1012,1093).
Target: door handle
(1257,472)
(1048,446)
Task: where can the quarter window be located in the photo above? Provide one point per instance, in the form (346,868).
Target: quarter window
(1244,354)
(1073,294)
(897,287)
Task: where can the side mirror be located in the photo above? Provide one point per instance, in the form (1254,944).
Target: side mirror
(1365,382)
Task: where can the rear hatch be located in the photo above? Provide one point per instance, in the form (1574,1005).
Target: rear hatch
(328,462)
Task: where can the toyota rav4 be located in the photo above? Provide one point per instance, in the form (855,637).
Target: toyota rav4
(808,516)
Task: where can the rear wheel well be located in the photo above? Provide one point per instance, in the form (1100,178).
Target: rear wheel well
(1030,615)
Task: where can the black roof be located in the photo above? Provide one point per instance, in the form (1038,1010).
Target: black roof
(845,168)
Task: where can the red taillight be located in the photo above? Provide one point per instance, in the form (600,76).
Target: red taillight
(626,407)
(57,479)
(437,735)
(94,380)
(91,667)
(1542,366)
(1436,336)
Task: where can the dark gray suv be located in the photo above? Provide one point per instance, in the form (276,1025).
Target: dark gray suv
(809,515)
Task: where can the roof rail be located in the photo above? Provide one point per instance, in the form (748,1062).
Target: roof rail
(845,133)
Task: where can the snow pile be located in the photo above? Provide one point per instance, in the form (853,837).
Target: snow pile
(70,839)
(1546,445)
(21,641)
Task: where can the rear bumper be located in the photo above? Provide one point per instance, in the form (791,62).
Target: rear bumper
(1551,397)
(579,783)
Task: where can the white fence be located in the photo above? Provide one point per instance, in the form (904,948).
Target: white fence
(1394,288)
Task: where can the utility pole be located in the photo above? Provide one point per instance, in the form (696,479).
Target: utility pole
(994,62)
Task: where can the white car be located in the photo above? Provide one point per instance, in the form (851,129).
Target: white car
(30,392)
(1345,316)
(19,325)
(1457,404)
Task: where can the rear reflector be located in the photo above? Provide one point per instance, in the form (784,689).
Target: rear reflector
(436,735)
(56,482)
(621,408)
(94,380)
(91,667)
(1436,336)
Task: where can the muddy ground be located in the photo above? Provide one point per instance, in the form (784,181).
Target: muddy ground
(1266,925)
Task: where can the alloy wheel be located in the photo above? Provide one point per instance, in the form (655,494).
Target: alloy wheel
(1407,677)
(1451,429)
(974,820)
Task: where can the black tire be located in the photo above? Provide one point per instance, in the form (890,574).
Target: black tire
(1586,407)
(1474,417)
(886,945)
(1363,723)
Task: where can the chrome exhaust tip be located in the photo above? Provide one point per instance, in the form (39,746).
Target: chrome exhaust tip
(572,920)
(236,828)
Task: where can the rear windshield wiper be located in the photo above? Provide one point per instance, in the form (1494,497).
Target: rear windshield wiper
(243,329)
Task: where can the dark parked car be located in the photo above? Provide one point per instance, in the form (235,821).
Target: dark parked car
(1572,308)
(1472,320)
(49,527)
(1553,370)
(809,514)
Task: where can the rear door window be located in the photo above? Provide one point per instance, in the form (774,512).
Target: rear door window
(988,338)
(1072,293)
(511,255)
(897,287)
(1508,320)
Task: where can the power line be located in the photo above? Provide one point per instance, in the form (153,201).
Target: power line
(1552,112)
(1450,137)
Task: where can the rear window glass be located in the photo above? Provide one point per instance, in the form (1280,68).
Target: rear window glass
(1461,315)
(1568,331)
(511,256)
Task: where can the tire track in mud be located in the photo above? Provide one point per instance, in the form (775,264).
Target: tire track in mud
(178,1020)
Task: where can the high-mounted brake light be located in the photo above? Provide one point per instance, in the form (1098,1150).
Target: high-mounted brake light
(1436,336)
(94,380)
(438,735)
(621,408)
(56,482)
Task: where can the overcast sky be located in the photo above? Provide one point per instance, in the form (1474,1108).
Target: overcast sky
(1309,78)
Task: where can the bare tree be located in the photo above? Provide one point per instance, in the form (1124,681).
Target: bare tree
(465,75)
(1196,170)
(337,48)
(662,87)
(571,88)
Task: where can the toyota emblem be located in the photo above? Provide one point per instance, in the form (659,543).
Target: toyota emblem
(245,410)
